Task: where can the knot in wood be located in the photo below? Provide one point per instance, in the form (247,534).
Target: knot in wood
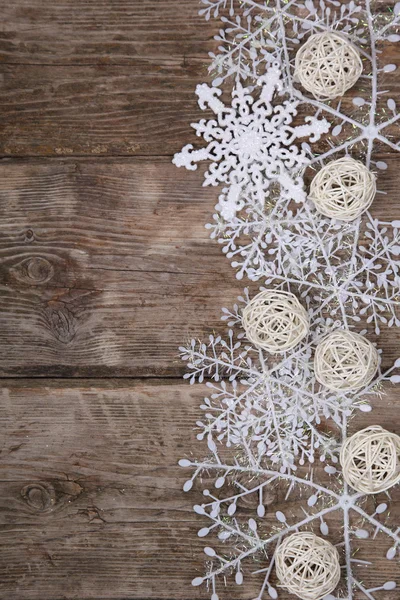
(61,322)
(39,496)
(33,270)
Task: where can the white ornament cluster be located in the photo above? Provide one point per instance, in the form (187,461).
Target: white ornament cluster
(290,360)
(266,410)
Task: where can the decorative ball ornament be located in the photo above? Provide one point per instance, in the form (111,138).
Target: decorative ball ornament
(345,361)
(275,321)
(343,189)
(327,65)
(370,460)
(307,566)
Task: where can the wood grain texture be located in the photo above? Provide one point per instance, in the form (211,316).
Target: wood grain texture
(142,109)
(91,501)
(90,491)
(103,31)
(99,78)
(106,267)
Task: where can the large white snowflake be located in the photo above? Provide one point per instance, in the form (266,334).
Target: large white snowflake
(251,144)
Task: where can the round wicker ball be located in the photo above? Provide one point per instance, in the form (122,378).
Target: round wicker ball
(327,65)
(307,566)
(275,321)
(345,361)
(343,189)
(370,460)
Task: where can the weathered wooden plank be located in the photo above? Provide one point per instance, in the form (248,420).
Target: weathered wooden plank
(90,493)
(106,267)
(102,32)
(98,110)
(117,32)
(91,500)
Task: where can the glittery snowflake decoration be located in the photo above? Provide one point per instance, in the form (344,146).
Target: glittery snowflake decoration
(272,432)
(262,424)
(271,406)
(322,260)
(271,232)
(251,144)
(244,541)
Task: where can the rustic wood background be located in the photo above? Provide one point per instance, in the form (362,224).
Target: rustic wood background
(105,269)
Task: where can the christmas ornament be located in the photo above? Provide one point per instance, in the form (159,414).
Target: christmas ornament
(275,321)
(345,360)
(343,189)
(307,566)
(251,143)
(370,460)
(328,65)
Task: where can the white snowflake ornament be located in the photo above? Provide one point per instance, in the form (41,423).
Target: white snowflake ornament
(251,144)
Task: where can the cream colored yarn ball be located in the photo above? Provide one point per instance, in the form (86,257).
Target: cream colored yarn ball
(345,361)
(370,460)
(343,189)
(275,321)
(327,65)
(307,566)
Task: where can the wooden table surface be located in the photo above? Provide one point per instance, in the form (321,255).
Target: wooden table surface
(105,269)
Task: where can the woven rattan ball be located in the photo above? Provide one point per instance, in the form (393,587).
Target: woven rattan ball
(307,566)
(370,460)
(275,321)
(345,361)
(327,65)
(343,189)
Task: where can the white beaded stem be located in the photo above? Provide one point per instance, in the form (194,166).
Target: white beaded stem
(307,566)
(275,321)
(370,460)
(343,189)
(327,65)
(345,361)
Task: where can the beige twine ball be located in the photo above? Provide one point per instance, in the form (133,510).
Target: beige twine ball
(327,65)
(275,321)
(307,566)
(345,361)
(370,460)
(343,189)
